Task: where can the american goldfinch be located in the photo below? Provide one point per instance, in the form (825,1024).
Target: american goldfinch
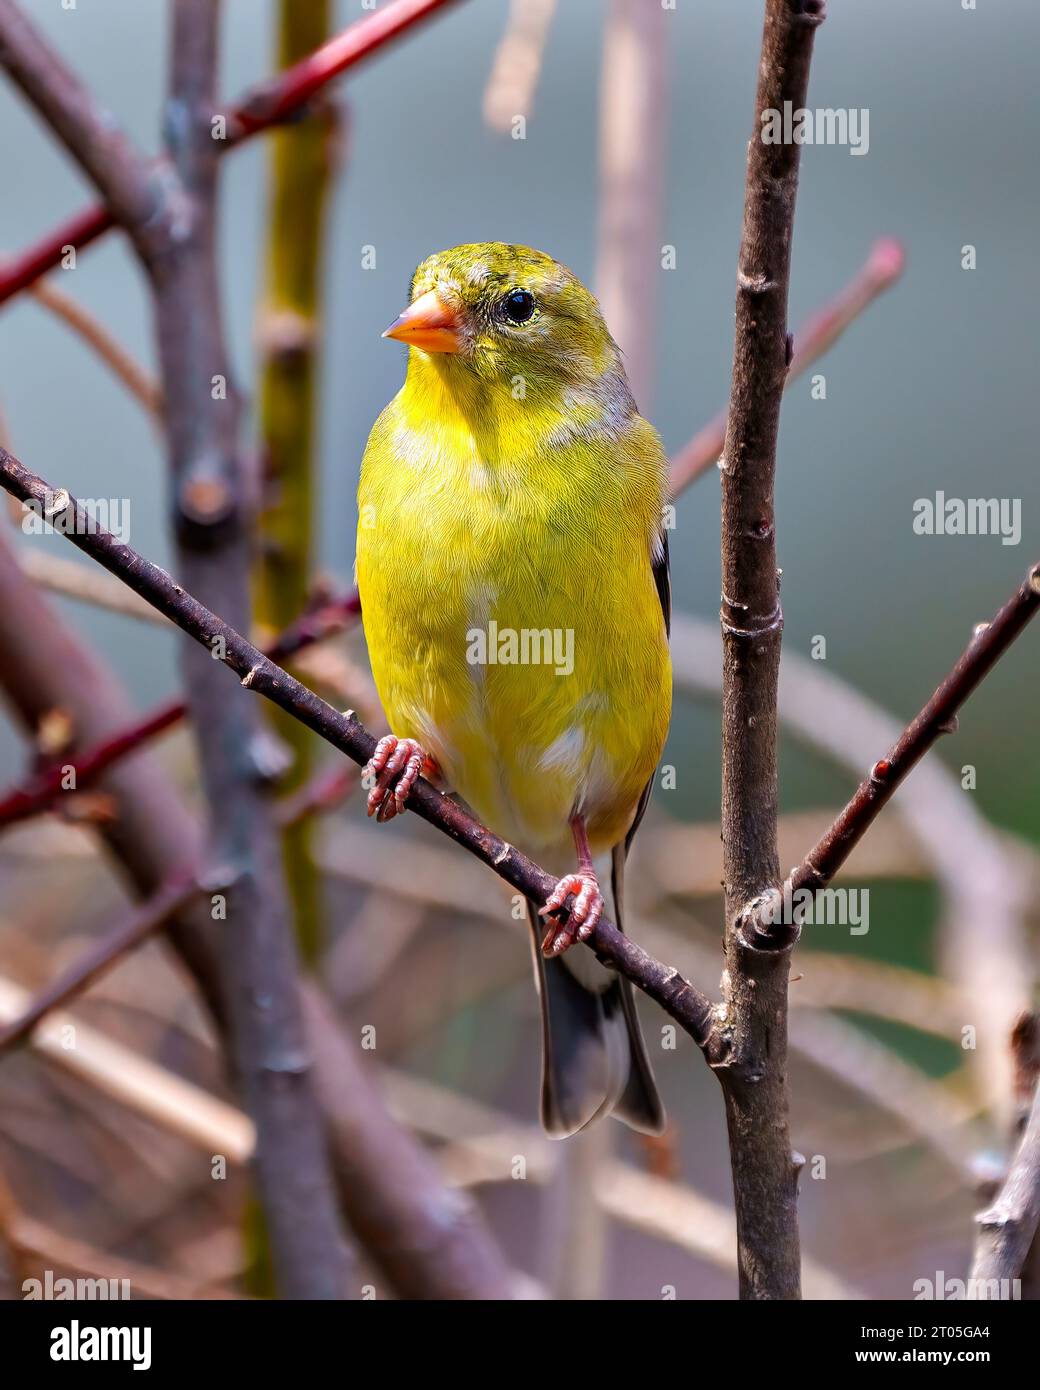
(513,572)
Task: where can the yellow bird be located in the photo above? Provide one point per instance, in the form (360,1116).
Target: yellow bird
(513,571)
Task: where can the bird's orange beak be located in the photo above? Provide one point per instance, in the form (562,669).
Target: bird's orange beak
(428,324)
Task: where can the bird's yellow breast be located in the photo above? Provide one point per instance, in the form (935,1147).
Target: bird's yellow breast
(512,619)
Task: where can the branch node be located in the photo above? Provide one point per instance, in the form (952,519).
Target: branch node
(755,284)
(56,502)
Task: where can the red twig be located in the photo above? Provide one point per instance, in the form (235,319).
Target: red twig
(818,333)
(274,100)
(74,773)
(78,771)
(260,108)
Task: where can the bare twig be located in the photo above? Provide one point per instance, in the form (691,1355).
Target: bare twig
(86,584)
(79,771)
(143,387)
(980,876)
(325,790)
(817,335)
(82,769)
(753,1071)
(1007,1228)
(142,922)
(265,105)
(939,716)
(133,195)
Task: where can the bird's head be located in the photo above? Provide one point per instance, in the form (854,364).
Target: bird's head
(500,311)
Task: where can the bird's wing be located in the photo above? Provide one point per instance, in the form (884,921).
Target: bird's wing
(663,583)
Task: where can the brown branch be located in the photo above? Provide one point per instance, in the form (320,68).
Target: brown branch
(753,1070)
(325,790)
(427,1242)
(143,921)
(123,366)
(86,584)
(211,515)
(133,194)
(78,770)
(1007,1228)
(772,922)
(678,997)
(257,110)
(817,335)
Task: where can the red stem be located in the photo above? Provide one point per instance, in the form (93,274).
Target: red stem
(39,793)
(260,108)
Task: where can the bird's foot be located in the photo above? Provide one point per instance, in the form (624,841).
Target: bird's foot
(582,915)
(396,765)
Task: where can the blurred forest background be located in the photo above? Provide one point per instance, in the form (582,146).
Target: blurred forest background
(934,388)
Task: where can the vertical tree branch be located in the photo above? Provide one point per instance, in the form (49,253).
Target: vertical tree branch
(289,327)
(211,496)
(753,1063)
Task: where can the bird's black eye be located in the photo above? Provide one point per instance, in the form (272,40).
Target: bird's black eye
(518,306)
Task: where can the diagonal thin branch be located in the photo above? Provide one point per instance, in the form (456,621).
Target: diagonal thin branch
(141,385)
(145,919)
(820,331)
(88,133)
(939,716)
(258,109)
(133,193)
(142,922)
(81,769)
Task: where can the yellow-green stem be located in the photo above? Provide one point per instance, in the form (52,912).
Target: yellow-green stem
(301,155)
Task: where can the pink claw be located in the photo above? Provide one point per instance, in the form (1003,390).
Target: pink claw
(396,764)
(582,917)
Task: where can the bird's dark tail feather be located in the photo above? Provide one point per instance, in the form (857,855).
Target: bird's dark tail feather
(594,1059)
